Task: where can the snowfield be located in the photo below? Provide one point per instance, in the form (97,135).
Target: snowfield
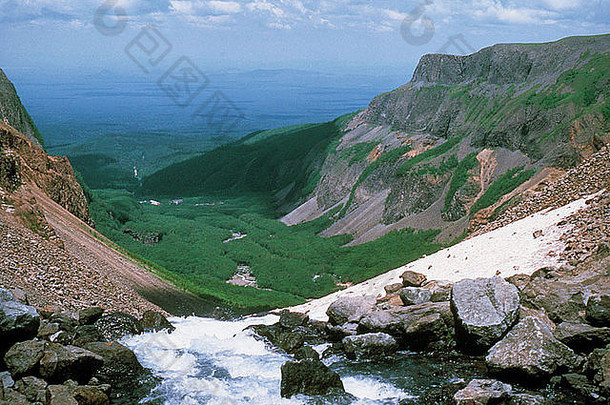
(518,248)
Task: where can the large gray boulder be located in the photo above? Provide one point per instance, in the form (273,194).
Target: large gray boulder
(597,369)
(23,357)
(118,325)
(484,310)
(17,321)
(482,392)
(119,362)
(309,377)
(153,321)
(33,388)
(417,327)
(369,345)
(350,309)
(61,363)
(530,351)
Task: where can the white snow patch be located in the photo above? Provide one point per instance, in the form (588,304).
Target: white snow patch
(506,251)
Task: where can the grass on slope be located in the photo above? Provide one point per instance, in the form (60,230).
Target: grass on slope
(291,264)
(504,185)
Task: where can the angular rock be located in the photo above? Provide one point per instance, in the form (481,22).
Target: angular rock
(415,295)
(416,327)
(598,369)
(562,301)
(60,395)
(47,329)
(86,334)
(33,388)
(155,322)
(12,397)
(598,310)
(350,309)
(369,345)
(392,288)
(17,321)
(289,341)
(67,320)
(23,357)
(336,333)
(306,352)
(530,351)
(61,363)
(440,290)
(412,279)
(582,337)
(119,362)
(290,320)
(118,325)
(87,395)
(309,377)
(578,383)
(482,392)
(88,316)
(484,310)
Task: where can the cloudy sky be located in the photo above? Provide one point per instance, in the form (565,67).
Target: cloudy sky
(328,35)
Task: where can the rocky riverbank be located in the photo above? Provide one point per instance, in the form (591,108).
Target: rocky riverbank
(538,337)
(63,357)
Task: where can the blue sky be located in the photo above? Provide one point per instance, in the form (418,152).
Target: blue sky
(362,36)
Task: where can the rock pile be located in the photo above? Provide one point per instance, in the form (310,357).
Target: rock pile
(549,328)
(68,357)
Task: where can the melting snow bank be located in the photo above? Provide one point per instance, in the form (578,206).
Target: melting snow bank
(212,362)
(521,247)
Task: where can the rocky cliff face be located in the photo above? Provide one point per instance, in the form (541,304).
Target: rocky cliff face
(24,162)
(465,138)
(14,114)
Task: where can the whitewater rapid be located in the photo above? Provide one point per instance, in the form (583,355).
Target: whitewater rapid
(213,362)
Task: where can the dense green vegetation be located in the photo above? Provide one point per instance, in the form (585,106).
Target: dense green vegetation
(386,158)
(502,186)
(293,263)
(358,152)
(288,161)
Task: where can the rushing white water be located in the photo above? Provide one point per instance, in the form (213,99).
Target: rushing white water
(212,362)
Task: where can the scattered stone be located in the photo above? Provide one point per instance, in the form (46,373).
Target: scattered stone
(598,310)
(530,351)
(309,377)
(153,321)
(23,357)
(412,279)
(484,310)
(118,325)
(350,309)
(482,392)
(415,295)
(369,345)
